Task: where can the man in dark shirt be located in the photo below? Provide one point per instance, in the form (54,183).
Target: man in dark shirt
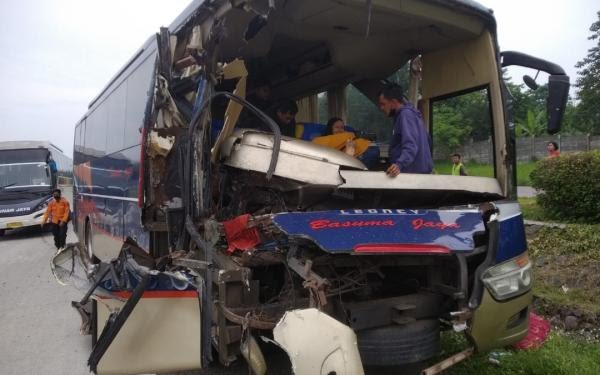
(261,99)
(284,114)
(409,147)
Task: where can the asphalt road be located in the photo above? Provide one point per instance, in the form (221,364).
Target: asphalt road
(39,330)
(526,192)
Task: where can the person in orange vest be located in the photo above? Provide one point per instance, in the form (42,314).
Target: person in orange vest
(58,212)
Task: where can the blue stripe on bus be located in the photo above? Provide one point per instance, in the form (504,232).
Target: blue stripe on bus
(512,238)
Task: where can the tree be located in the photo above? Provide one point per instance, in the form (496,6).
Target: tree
(588,85)
(532,125)
(449,130)
(521,101)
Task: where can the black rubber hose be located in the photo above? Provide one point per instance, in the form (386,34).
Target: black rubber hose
(260,114)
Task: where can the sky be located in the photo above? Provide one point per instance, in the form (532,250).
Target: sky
(58,54)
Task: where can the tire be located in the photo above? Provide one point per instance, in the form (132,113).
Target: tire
(2,231)
(400,344)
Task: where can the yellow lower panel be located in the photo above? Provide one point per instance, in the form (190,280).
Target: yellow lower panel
(161,334)
(497,324)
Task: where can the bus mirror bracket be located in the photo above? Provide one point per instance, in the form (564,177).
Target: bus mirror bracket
(558,85)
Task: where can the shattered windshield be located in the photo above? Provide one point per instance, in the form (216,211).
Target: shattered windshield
(19,175)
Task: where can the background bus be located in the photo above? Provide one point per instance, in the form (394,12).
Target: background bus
(27,180)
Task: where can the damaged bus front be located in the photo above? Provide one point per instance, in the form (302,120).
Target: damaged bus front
(202,240)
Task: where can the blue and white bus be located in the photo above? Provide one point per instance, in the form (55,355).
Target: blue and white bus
(27,178)
(198,245)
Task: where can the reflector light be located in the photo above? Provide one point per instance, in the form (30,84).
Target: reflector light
(401,248)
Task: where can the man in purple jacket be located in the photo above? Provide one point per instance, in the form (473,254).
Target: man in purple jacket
(409,146)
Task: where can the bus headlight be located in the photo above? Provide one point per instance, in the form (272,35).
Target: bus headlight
(509,279)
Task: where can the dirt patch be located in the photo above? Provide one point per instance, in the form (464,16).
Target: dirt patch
(566,264)
(568,280)
(576,323)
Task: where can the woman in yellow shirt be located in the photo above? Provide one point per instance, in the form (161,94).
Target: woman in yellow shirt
(337,137)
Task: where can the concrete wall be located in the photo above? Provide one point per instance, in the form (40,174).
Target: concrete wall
(528,148)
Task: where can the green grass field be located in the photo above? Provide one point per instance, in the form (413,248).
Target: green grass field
(487,170)
(560,355)
(531,210)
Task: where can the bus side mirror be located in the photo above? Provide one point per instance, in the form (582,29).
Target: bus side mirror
(558,93)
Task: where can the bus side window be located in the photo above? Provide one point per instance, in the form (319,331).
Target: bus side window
(95,138)
(138,92)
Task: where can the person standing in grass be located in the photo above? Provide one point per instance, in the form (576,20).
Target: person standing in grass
(458,168)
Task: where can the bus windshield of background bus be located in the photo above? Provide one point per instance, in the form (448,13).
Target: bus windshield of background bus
(21,175)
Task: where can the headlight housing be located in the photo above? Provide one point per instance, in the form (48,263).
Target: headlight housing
(509,279)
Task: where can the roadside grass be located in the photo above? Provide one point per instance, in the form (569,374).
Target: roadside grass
(487,170)
(560,355)
(566,261)
(474,169)
(566,264)
(531,210)
(571,298)
(523,172)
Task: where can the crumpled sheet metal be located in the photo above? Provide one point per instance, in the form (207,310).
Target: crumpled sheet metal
(169,115)
(318,344)
(158,145)
(235,69)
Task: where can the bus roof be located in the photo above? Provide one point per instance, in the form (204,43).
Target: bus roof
(17,145)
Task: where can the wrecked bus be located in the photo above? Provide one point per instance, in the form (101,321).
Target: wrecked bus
(202,240)
(26,181)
